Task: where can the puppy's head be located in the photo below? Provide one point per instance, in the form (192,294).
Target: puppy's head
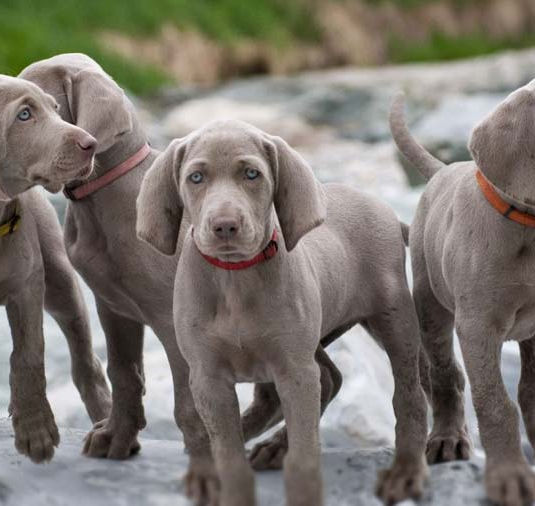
(88,97)
(229,177)
(503,145)
(36,145)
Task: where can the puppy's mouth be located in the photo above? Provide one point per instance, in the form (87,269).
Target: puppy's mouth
(54,185)
(229,250)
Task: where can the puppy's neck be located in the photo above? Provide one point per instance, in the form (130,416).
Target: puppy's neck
(124,148)
(516,203)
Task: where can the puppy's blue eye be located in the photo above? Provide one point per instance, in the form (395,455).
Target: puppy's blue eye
(196,177)
(25,114)
(251,173)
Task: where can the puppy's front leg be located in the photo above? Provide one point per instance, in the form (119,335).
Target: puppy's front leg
(65,303)
(216,401)
(36,432)
(201,481)
(299,389)
(509,479)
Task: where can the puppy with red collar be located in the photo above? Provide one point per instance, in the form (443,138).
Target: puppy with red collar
(273,262)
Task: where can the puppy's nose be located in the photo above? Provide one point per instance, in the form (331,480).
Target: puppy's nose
(87,143)
(225,228)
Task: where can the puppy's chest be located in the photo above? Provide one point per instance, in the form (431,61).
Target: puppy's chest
(239,320)
(244,334)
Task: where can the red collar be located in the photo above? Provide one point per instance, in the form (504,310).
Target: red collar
(110,176)
(268,252)
(503,207)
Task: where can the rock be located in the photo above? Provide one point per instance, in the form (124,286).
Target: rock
(153,477)
(270,118)
(445,101)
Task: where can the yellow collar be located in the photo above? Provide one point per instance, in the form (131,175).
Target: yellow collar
(11,225)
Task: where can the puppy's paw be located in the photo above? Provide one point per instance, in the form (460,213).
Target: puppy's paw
(404,480)
(447,446)
(112,441)
(269,454)
(36,433)
(202,483)
(510,484)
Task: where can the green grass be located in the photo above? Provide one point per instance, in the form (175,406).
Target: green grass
(34,29)
(442,47)
(408,4)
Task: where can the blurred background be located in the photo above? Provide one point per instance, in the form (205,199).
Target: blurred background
(320,73)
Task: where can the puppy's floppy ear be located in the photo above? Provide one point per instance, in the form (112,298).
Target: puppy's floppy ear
(159,210)
(6,117)
(503,144)
(98,106)
(299,198)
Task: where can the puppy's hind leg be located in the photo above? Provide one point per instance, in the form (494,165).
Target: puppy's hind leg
(396,327)
(449,439)
(270,454)
(115,437)
(263,413)
(526,387)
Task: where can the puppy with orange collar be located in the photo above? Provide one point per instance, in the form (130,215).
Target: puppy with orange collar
(473,255)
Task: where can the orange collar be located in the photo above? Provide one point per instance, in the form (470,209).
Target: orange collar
(503,207)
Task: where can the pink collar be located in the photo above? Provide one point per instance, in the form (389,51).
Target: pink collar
(268,252)
(4,197)
(110,176)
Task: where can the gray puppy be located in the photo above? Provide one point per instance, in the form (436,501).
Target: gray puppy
(241,315)
(132,283)
(38,147)
(473,254)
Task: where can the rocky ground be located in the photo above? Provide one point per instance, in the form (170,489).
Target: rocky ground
(153,478)
(338,120)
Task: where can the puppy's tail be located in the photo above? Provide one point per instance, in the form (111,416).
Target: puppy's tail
(405,229)
(413,151)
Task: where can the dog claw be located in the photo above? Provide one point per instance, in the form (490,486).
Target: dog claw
(36,435)
(448,447)
(202,483)
(104,441)
(402,481)
(511,484)
(269,454)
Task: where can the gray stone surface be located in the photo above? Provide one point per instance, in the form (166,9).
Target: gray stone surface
(153,478)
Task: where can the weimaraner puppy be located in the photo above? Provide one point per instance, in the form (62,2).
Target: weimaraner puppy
(473,253)
(271,261)
(38,147)
(132,283)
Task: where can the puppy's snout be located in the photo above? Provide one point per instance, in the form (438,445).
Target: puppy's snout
(87,143)
(225,227)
